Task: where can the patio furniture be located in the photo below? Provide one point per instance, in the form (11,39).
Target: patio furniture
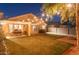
(17,32)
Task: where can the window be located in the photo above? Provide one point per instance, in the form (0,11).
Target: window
(20,27)
(12,27)
(34,28)
(16,26)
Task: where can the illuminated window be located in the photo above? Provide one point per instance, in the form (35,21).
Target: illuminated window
(43,27)
(20,27)
(16,26)
(34,28)
(12,27)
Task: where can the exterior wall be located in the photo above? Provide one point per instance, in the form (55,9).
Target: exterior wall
(62,30)
(26,29)
(25,20)
(58,30)
(5,28)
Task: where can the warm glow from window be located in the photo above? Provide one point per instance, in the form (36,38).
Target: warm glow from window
(20,26)
(8,37)
(16,26)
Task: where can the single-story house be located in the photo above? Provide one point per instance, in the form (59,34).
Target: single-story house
(24,24)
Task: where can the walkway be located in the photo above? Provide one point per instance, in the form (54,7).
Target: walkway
(73,50)
(70,40)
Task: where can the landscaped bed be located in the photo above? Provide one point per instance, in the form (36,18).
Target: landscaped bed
(37,45)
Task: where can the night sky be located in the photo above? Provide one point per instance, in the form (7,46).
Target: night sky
(15,9)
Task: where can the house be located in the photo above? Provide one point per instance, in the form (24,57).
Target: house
(26,24)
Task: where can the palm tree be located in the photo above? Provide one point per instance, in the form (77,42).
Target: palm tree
(65,11)
(77,24)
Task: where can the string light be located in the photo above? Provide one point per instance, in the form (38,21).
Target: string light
(69,5)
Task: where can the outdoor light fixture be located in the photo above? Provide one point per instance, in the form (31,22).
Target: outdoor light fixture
(32,20)
(40,22)
(58,12)
(47,15)
(8,37)
(69,5)
(43,14)
(46,19)
(41,19)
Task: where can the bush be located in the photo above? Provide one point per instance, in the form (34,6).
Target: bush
(42,31)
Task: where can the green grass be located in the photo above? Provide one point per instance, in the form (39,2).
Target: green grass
(60,47)
(37,45)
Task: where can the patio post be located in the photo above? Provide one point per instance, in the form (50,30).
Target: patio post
(5,28)
(29,28)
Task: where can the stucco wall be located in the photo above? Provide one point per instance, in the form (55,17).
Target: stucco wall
(62,30)
(58,30)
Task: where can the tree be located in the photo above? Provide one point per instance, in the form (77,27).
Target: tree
(77,24)
(65,12)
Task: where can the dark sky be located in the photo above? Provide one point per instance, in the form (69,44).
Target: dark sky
(14,9)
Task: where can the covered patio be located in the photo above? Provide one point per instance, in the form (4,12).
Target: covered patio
(26,24)
(19,27)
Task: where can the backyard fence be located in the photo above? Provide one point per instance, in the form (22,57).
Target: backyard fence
(62,30)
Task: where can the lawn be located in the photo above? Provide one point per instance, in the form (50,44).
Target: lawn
(37,45)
